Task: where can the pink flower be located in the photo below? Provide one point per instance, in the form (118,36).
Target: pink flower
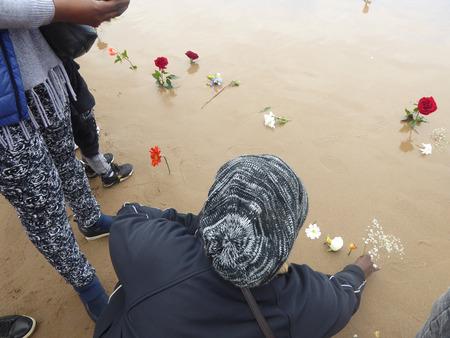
(112,51)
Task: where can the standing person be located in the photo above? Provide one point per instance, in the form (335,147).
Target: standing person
(17,326)
(198,276)
(38,168)
(85,133)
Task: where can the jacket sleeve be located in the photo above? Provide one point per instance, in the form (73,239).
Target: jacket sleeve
(25,13)
(188,220)
(348,286)
(326,303)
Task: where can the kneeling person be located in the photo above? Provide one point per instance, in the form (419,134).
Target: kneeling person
(183,275)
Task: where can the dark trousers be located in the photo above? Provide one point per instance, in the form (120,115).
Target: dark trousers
(83,119)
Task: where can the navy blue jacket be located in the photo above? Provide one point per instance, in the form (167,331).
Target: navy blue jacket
(13,104)
(169,288)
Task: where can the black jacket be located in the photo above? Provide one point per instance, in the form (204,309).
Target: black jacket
(169,288)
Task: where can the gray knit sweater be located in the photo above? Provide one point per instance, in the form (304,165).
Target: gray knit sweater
(23,18)
(37,62)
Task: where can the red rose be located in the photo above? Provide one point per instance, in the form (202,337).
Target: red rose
(161,62)
(191,55)
(427,105)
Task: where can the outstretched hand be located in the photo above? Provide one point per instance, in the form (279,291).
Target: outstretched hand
(367,265)
(88,12)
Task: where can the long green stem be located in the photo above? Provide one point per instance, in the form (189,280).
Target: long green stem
(167,164)
(133,67)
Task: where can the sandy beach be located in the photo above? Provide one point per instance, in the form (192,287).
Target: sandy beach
(341,73)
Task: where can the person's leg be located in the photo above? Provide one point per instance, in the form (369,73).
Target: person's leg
(77,192)
(96,163)
(29,180)
(17,326)
(85,132)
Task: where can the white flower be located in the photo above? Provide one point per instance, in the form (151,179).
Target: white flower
(313,231)
(426,149)
(336,244)
(269,120)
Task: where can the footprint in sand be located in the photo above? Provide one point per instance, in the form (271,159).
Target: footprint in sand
(332,163)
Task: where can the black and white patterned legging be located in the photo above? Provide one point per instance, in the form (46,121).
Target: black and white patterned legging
(36,175)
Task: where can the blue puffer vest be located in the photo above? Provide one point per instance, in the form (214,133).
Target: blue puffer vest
(13,103)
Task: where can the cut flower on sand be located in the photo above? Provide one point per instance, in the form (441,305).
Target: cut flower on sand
(271,120)
(313,231)
(156,156)
(334,244)
(426,149)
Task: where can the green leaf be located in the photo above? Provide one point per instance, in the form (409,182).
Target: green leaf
(416,110)
(156,75)
(169,83)
(266,109)
(282,120)
(118,59)
(125,54)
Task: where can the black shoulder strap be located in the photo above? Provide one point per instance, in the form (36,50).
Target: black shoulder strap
(262,322)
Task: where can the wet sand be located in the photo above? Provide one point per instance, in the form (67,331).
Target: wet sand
(341,75)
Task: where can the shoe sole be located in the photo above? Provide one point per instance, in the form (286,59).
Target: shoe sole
(97,237)
(120,180)
(33,327)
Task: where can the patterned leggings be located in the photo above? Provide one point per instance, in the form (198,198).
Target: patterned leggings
(35,177)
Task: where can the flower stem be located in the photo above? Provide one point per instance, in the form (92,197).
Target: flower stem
(162,81)
(133,67)
(217,94)
(167,164)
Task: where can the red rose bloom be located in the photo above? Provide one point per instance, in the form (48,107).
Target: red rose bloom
(191,55)
(427,105)
(155,155)
(161,62)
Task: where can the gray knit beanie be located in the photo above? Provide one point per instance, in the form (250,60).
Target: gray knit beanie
(254,211)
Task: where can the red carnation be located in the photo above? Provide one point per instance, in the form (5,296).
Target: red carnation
(191,55)
(427,105)
(161,62)
(155,155)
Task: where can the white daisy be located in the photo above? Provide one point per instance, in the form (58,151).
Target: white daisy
(269,120)
(313,231)
(426,149)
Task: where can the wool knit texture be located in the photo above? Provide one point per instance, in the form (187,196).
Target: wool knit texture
(252,217)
